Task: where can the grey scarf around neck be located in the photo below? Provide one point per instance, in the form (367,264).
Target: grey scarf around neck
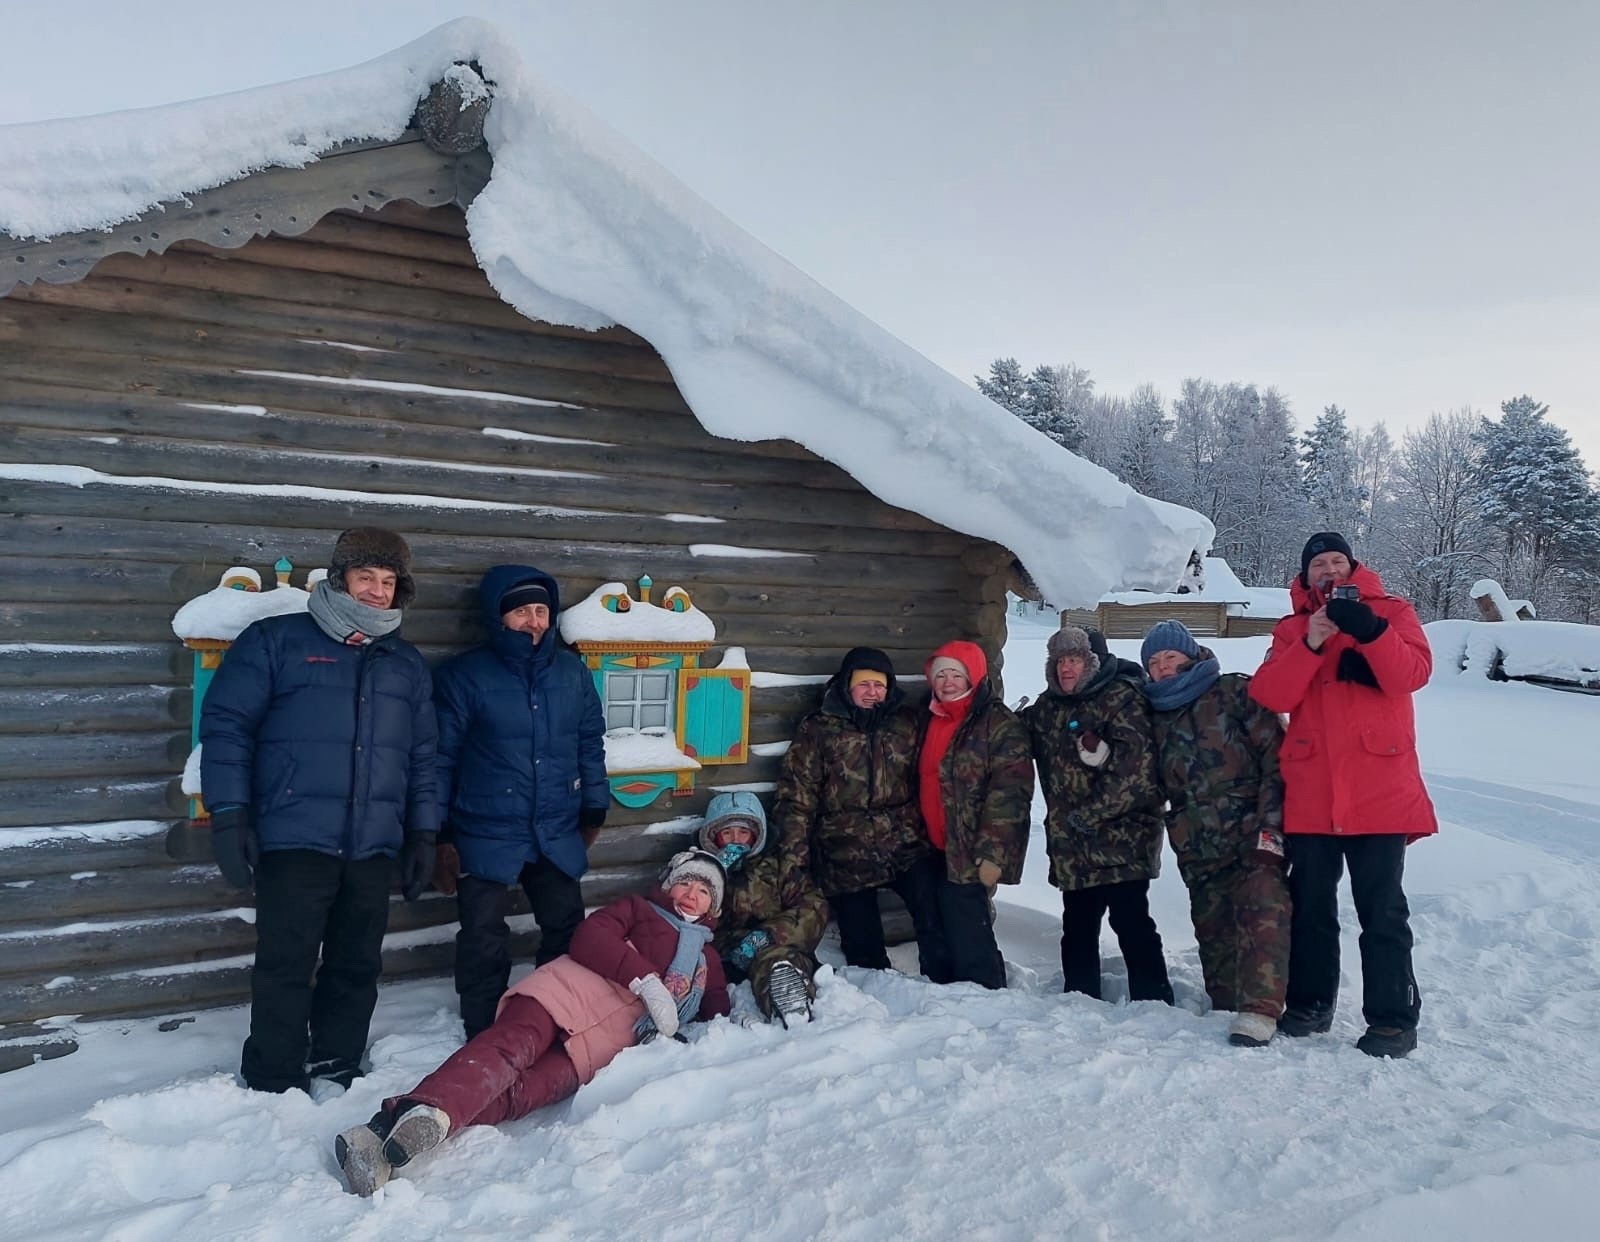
(345,619)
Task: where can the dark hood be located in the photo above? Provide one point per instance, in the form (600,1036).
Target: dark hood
(512,646)
(836,697)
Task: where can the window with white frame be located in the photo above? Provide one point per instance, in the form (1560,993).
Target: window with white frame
(641,700)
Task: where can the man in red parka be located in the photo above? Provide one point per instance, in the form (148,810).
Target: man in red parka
(1343,667)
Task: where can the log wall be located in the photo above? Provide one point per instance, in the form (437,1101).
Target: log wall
(171,415)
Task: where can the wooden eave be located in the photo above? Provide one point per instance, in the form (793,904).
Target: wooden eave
(286,201)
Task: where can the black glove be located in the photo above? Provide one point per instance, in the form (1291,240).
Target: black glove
(1356,619)
(1353,666)
(234,842)
(590,820)
(416,863)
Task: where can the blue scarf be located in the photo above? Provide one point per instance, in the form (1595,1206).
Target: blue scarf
(1185,688)
(685,977)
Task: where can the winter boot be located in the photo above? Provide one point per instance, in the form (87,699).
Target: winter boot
(1299,1020)
(787,994)
(359,1151)
(420,1128)
(1251,1030)
(1388,1041)
(335,1070)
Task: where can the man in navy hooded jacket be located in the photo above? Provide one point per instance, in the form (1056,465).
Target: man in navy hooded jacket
(522,781)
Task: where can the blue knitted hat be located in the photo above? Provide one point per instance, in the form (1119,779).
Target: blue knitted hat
(1168,635)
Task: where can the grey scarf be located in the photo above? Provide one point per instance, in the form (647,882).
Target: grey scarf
(345,619)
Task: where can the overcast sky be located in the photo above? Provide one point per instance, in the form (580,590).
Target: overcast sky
(1391,206)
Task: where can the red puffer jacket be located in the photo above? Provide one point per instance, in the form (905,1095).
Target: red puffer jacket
(1349,758)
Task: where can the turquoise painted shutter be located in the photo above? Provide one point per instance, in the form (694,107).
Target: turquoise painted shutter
(716,715)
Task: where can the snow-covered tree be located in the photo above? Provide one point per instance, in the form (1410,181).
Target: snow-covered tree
(1145,457)
(1535,493)
(1058,400)
(1431,528)
(1005,385)
(1328,470)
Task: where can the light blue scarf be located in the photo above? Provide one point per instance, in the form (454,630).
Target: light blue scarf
(1185,688)
(685,977)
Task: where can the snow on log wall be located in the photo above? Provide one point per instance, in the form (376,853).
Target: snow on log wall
(171,415)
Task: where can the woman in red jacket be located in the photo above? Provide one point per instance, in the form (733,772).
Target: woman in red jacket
(1343,667)
(637,968)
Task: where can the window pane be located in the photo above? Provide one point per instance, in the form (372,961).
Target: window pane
(653,716)
(619,716)
(655,686)
(619,687)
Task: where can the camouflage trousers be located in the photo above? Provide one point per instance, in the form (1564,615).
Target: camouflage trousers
(1241,922)
(761,972)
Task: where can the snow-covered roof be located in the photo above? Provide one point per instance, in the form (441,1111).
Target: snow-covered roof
(1222,586)
(1509,608)
(590,621)
(577,226)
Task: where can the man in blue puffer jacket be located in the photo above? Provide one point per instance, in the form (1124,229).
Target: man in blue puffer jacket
(318,769)
(522,782)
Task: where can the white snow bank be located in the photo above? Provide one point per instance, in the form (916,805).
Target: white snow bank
(577,226)
(1557,650)
(590,621)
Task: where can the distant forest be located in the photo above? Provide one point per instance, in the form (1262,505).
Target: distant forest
(1463,497)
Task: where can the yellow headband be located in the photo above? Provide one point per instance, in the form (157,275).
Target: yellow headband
(868,674)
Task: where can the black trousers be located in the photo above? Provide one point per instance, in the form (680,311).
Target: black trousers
(861,926)
(969,935)
(1128,904)
(309,903)
(483,945)
(1377,867)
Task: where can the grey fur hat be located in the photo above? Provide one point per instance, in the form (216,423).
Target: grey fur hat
(373,547)
(697,865)
(1069,640)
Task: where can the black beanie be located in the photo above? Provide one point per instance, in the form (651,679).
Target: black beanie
(1325,541)
(524,593)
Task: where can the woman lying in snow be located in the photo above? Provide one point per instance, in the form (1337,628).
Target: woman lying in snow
(638,967)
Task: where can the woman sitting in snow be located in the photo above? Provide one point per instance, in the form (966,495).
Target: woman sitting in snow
(774,915)
(638,967)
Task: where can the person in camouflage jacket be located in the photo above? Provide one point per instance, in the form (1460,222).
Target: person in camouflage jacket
(1217,755)
(773,915)
(975,788)
(1092,741)
(847,805)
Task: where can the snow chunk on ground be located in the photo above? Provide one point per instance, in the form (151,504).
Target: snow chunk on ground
(1557,650)
(577,226)
(590,621)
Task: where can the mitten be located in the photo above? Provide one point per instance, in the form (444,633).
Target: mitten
(663,1009)
(1356,619)
(1353,666)
(416,863)
(744,955)
(590,820)
(234,842)
(446,868)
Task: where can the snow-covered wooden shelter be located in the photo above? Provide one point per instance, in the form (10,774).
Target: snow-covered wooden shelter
(431,293)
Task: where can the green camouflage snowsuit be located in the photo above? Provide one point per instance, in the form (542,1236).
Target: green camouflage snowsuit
(1102,825)
(1218,762)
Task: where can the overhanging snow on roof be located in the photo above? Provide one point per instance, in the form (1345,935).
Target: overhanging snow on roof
(576,226)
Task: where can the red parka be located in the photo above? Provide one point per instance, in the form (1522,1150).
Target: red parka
(1349,758)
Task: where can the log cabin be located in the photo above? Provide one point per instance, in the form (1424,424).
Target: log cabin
(430,294)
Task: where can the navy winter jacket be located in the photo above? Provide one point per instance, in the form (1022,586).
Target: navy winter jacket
(521,743)
(331,746)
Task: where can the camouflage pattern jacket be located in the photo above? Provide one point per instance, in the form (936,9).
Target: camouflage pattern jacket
(986,782)
(847,796)
(769,893)
(1218,762)
(1102,825)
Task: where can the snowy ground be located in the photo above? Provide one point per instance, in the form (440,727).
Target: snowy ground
(908,1111)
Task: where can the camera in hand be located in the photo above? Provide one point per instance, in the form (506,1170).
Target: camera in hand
(1345,591)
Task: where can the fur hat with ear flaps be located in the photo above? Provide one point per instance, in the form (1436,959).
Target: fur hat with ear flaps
(373,547)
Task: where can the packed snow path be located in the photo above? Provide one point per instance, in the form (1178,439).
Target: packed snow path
(911,1111)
